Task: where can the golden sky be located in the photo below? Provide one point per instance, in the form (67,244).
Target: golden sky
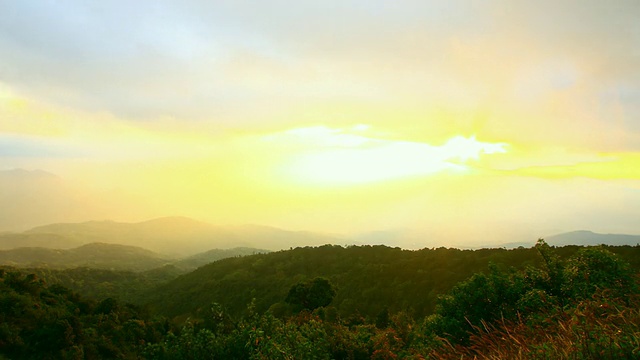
(473,120)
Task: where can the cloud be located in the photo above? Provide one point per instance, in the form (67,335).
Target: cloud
(547,72)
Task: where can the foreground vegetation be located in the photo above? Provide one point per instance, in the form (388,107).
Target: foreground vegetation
(579,306)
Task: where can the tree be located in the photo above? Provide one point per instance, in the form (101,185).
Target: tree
(382,319)
(312,294)
(593,269)
(553,267)
(481,298)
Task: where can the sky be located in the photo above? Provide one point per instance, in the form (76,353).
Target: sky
(461,121)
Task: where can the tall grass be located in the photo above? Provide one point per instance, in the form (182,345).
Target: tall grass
(597,328)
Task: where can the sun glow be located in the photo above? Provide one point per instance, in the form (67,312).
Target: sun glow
(338,156)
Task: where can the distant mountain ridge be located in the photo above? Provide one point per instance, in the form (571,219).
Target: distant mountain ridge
(181,237)
(95,255)
(173,236)
(113,257)
(10,240)
(207,257)
(585,237)
(580,238)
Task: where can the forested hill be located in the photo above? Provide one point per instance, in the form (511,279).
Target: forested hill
(95,255)
(580,303)
(368,278)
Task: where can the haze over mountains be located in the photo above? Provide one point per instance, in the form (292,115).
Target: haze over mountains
(173,236)
(589,238)
(113,257)
(33,198)
(180,237)
(37,197)
(94,255)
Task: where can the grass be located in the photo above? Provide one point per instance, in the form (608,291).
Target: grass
(597,328)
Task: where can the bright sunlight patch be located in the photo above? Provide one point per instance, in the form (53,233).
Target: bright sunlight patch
(339,156)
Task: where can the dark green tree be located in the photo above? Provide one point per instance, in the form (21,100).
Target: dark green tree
(593,269)
(382,319)
(553,269)
(311,295)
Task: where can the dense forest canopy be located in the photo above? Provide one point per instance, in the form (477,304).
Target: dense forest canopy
(367,278)
(341,303)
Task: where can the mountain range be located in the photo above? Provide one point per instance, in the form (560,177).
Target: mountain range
(582,238)
(94,255)
(589,238)
(170,236)
(113,257)
(39,197)
(181,237)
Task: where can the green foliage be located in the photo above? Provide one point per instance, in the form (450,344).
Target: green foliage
(516,295)
(311,295)
(97,284)
(367,278)
(382,319)
(41,322)
(561,303)
(552,279)
(602,327)
(480,298)
(302,337)
(592,269)
(546,312)
(195,261)
(96,255)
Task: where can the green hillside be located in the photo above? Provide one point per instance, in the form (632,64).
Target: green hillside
(368,278)
(98,270)
(45,240)
(97,284)
(95,255)
(203,258)
(40,321)
(562,303)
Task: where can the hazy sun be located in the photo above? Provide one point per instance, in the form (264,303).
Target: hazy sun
(337,156)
